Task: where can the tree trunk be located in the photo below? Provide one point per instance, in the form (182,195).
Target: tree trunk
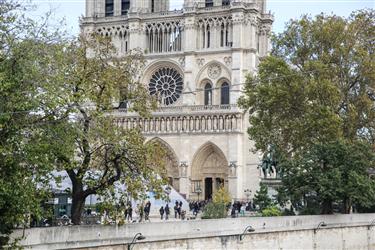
(347,205)
(326,207)
(78,203)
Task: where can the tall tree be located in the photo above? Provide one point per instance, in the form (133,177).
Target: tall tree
(316,87)
(25,160)
(96,152)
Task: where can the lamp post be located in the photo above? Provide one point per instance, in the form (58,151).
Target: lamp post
(198,191)
(138,236)
(248,229)
(320,225)
(248,194)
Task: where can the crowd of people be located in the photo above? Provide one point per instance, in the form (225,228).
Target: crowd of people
(141,212)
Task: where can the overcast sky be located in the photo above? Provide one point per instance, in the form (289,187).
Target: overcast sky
(283,10)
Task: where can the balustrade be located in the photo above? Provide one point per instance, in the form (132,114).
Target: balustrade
(183,124)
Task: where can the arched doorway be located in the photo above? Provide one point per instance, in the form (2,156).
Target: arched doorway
(171,163)
(209,171)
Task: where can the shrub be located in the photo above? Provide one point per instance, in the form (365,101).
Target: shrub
(214,211)
(271,211)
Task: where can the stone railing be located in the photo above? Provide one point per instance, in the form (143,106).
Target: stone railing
(189,109)
(176,124)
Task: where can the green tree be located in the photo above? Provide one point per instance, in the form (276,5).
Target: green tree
(94,150)
(317,87)
(332,173)
(261,197)
(25,159)
(218,207)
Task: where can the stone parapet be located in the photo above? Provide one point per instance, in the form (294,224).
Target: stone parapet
(352,231)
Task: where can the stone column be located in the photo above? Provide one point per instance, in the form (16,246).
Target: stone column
(117,8)
(232,179)
(90,8)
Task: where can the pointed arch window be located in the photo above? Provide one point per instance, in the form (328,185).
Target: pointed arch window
(226,2)
(225,94)
(209,3)
(125,6)
(208,94)
(109,7)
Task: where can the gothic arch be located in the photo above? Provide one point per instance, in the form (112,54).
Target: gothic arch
(171,162)
(202,72)
(209,169)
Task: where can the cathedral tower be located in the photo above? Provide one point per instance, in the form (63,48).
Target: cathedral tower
(108,8)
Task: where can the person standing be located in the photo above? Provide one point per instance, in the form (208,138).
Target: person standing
(166,212)
(161,211)
(130,212)
(175,208)
(141,211)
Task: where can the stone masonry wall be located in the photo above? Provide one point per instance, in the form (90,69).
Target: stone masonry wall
(291,232)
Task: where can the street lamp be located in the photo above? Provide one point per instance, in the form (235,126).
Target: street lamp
(248,194)
(198,191)
(320,225)
(248,229)
(138,236)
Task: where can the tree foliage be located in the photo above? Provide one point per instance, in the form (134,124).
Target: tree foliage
(261,198)
(96,152)
(317,90)
(25,159)
(318,84)
(58,112)
(332,173)
(218,207)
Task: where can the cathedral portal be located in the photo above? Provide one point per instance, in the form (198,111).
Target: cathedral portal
(209,170)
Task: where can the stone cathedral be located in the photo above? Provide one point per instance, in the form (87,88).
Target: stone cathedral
(197,62)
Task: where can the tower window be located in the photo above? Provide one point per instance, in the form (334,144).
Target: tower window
(152,6)
(109,7)
(209,3)
(125,6)
(224,94)
(226,2)
(208,94)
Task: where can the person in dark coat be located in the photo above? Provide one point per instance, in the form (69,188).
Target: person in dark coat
(175,208)
(147,210)
(161,211)
(130,212)
(166,212)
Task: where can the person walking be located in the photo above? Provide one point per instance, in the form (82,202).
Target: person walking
(147,211)
(166,212)
(130,212)
(161,211)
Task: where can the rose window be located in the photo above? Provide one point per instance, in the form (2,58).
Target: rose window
(167,85)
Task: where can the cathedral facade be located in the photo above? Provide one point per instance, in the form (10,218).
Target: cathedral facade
(197,62)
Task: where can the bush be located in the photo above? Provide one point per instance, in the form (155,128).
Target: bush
(271,211)
(215,211)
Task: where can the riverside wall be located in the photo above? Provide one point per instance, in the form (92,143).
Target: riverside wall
(288,232)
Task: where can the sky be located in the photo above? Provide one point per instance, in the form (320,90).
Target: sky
(283,10)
